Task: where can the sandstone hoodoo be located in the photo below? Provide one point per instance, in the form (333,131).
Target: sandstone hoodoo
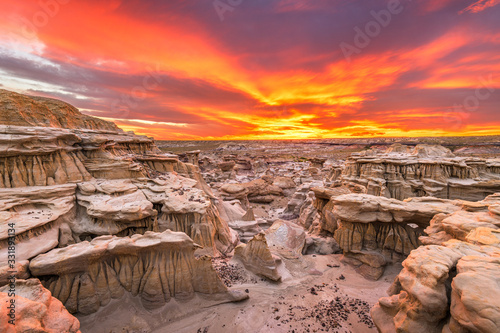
(117,232)
(154,266)
(257,257)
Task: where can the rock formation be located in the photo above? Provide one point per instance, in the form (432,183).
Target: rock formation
(243,222)
(256,191)
(184,207)
(257,257)
(34,159)
(108,224)
(402,172)
(451,284)
(154,266)
(112,207)
(40,216)
(22,110)
(35,310)
(374,231)
(286,239)
(73,187)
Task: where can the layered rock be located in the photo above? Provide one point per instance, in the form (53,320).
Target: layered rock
(22,110)
(239,220)
(40,157)
(402,172)
(38,219)
(315,212)
(154,266)
(374,231)
(67,179)
(35,310)
(112,207)
(256,191)
(104,161)
(301,200)
(452,285)
(184,207)
(191,157)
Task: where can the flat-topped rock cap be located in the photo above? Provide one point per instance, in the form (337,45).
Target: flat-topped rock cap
(76,257)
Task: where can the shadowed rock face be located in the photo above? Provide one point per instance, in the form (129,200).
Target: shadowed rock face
(373,231)
(63,187)
(22,110)
(402,172)
(155,266)
(451,284)
(35,310)
(256,191)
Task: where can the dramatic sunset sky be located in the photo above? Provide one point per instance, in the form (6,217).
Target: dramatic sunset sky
(262,69)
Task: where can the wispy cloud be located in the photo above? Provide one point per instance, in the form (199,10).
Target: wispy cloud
(480,5)
(272,69)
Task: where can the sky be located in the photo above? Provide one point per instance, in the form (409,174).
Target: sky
(262,69)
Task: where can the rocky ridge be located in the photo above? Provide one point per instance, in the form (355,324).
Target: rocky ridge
(403,172)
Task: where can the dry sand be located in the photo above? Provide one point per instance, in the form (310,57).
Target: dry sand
(323,295)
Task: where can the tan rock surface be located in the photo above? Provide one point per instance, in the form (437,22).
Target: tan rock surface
(373,231)
(420,299)
(35,310)
(257,257)
(402,172)
(23,110)
(286,239)
(112,207)
(36,215)
(154,266)
(182,206)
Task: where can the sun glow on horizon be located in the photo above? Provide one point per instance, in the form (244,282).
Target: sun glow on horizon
(176,71)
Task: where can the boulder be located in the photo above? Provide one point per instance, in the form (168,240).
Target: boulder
(257,258)
(286,239)
(35,310)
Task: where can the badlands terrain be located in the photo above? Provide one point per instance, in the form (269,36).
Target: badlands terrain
(103,230)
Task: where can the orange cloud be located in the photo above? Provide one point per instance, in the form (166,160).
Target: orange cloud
(480,5)
(266,75)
